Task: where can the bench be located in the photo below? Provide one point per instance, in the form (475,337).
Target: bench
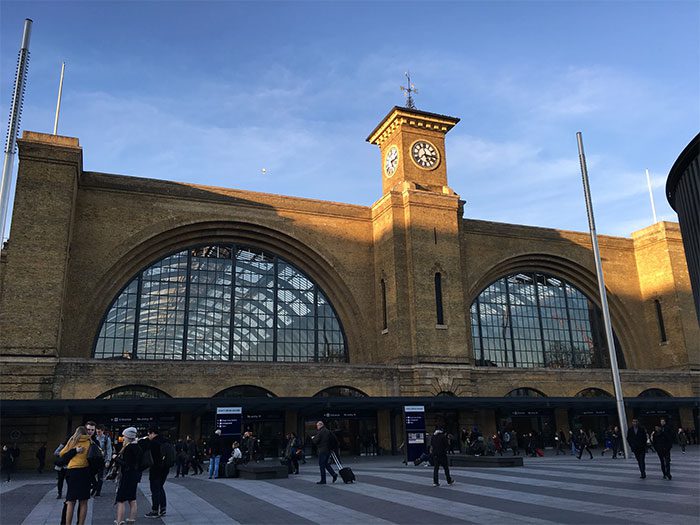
(263,470)
(461,460)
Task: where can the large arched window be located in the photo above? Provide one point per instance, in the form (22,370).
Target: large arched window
(222,302)
(654,392)
(134,392)
(538,320)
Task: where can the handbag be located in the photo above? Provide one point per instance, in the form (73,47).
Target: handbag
(113,471)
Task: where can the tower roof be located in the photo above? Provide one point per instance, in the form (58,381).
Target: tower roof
(412,117)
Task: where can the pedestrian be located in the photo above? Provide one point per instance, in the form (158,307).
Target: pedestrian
(292,452)
(157,473)
(180,458)
(682,439)
(637,440)
(497,444)
(607,442)
(105,444)
(438,448)
(61,468)
(215,451)
(560,443)
(572,443)
(193,457)
(663,442)
(78,476)
(8,463)
(514,443)
(325,442)
(91,428)
(41,457)
(583,444)
(129,463)
(616,441)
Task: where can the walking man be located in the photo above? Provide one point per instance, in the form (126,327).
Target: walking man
(663,441)
(637,439)
(157,473)
(215,449)
(438,446)
(583,444)
(41,456)
(325,442)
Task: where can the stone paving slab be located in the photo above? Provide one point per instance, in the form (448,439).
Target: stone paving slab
(546,490)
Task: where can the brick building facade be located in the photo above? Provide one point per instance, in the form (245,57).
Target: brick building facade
(401,276)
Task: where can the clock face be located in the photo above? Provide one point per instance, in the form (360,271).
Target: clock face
(391,161)
(424,154)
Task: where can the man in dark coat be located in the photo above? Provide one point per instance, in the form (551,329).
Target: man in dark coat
(215,449)
(157,473)
(438,447)
(663,441)
(637,439)
(325,442)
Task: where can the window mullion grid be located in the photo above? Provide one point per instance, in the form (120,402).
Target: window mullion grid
(185,327)
(481,337)
(232,313)
(137,319)
(539,318)
(510,323)
(275,291)
(316,327)
(568,320)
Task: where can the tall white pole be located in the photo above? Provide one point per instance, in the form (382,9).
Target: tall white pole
(13,129)
(622,416)
(651,197)
(58,102)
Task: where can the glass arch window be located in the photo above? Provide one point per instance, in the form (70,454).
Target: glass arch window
(532,319)
(134,392)
(222,302)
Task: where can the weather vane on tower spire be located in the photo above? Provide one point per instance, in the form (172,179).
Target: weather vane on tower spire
(408,91)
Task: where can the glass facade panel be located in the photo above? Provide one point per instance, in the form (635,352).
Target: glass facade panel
(532,319)
(222,302)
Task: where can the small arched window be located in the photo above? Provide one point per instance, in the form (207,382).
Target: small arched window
(438,299)
(525,392)
(654,392)
(134,392)
(245,391)
(340,391)
(593,392)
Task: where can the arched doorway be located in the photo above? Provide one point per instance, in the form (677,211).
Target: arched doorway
(526,419)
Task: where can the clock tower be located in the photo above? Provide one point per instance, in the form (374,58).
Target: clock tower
(412,144)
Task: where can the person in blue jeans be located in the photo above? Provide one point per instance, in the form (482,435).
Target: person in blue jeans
(325,442)
(215,451)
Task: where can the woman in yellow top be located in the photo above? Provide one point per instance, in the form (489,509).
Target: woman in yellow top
(78,475)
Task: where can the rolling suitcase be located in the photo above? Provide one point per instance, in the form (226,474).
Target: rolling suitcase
(346,473)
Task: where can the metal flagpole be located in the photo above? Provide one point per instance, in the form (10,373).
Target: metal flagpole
(13,129)
(622,416)
(651,197)
(58,102)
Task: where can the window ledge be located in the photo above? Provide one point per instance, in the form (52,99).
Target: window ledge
(441,327)
(385,331)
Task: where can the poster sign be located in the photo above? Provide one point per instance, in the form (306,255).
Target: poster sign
(414,421)
(229,420)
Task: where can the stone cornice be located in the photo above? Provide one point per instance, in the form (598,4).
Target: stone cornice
(399,116)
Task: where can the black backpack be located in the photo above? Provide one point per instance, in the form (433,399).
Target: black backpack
(168,454)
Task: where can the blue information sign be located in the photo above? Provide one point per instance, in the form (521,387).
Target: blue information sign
(229,420)
(414,421)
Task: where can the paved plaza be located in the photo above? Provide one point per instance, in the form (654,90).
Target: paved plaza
(546,490)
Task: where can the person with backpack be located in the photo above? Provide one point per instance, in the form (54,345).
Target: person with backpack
(105,444)
(325,442)
(293,452)
(158,447)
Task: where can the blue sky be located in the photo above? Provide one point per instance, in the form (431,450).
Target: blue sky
(213,92)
